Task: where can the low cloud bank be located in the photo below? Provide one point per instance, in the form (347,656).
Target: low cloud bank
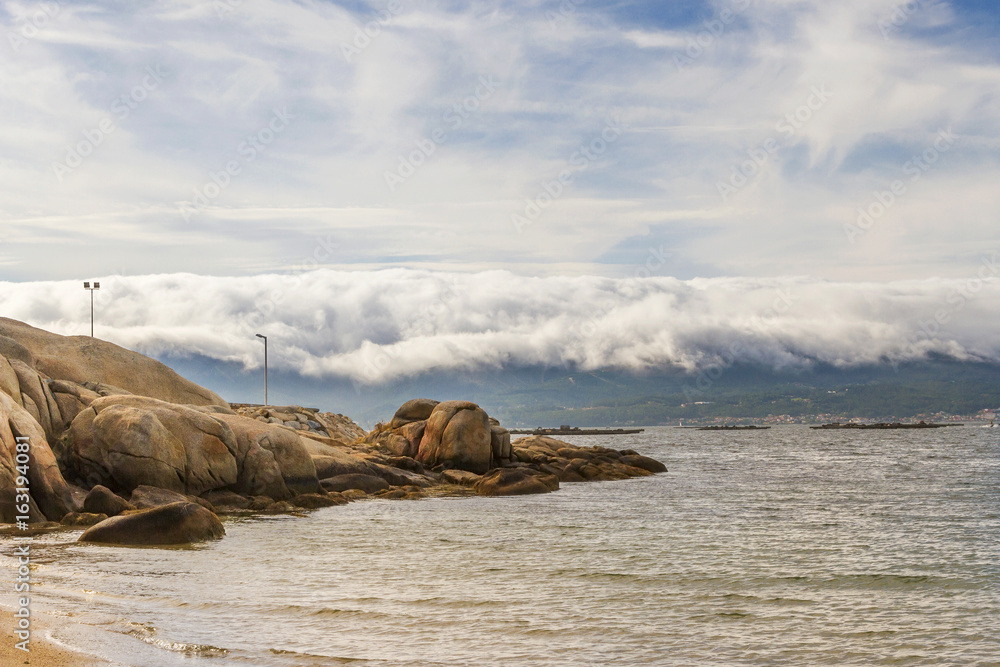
(377,327)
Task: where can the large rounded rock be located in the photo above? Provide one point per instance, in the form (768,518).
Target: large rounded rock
(515,482)
(416,410)
(273,461)
(37,398)
(177,523)
(459,435)
(126,441)
(9,383)
(49,492)
(84,359)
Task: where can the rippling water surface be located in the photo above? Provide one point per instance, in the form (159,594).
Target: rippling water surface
(786,546)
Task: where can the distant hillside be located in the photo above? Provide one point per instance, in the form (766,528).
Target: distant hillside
(549,397)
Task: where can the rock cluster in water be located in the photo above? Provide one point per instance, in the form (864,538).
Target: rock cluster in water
(122,443)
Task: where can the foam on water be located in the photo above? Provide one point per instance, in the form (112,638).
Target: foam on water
(786,546)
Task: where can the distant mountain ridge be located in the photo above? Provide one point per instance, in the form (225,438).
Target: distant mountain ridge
(554,396)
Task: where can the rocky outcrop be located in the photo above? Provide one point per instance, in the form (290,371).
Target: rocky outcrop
(125,441)
(366,483)
(415,410)
(113,438)
(515,482)
(458,434)
(452,434)
(50,495)
(570,463)
(177,523)
(82,359)
(309,421)
(272,460)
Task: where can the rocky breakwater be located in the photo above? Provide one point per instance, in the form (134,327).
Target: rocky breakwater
(114,435)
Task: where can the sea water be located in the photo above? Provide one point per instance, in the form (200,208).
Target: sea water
(787,546)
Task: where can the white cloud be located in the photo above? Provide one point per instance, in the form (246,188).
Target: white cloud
(561,80)
(380,326)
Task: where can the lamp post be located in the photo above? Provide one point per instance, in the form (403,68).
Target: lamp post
(86,286)
(265,366)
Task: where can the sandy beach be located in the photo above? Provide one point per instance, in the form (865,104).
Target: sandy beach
(42,653)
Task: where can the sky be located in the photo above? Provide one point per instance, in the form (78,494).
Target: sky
(319,170)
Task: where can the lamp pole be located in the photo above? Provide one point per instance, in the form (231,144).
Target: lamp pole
(86,286)
(265,366)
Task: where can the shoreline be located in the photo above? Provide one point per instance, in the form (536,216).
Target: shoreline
(44,651)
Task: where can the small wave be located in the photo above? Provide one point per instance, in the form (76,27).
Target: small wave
(147,633)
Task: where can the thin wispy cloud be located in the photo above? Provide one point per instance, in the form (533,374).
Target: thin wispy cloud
(699,91)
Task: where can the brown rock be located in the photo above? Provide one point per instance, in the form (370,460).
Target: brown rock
(413,433)
(84,359)
(227,499)
(418,409)
(500,444)
(177,523)
(393,443)
(126,441)
(9,383)
(312,501)
(11,349)
(281,507)
(335,462)
(289,452)
(145,497)
(515,482)
(50,495)
(82,519)
(644,462)
(460,477)
(458,435)
(366,483)
(102,500)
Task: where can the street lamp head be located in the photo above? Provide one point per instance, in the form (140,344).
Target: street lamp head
(260,336)
(97,285)
(86,284)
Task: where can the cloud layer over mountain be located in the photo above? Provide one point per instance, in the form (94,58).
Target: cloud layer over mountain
(376,327)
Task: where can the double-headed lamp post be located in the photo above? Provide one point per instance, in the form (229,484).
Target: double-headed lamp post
(265,366)
(86,286)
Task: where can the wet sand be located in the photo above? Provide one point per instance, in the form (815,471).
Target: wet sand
(42,653)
